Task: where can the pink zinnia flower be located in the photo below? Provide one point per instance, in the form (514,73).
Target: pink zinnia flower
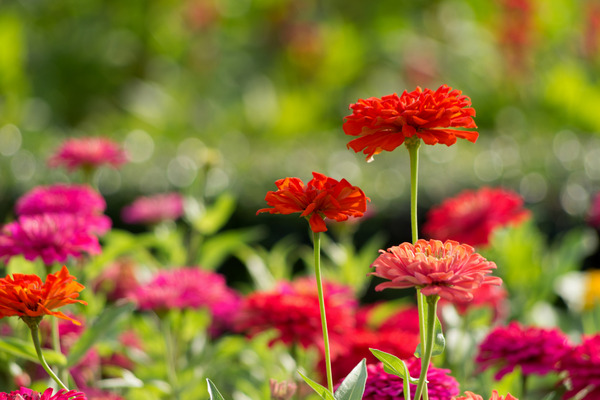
(383,386)
(193,288)
(535,350)
(51,237)
(472,216)
(28,394)
(292,309)
(88,153)
(80,200)
(117,280)
(582,365)
(495,396)
(154,209)
(450,270)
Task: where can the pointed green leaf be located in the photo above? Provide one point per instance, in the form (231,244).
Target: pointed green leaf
(393,365)
(439,341)
(213,391)
(353,385)
(318,388)
(216,216)
(22,349)
(101,326)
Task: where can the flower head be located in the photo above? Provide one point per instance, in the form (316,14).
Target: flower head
(67,199)
(383,386)
(535,350)
(28,394)
(154,209)
(53,237)
(495,396)
(472,216)
(450,270)
(322,197)
(27,296)
(385,123)
(88,153)
(582,367)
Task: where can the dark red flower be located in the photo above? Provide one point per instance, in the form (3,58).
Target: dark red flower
(582,366)
(593,217)
(472,216)
(322,197)
(384,123)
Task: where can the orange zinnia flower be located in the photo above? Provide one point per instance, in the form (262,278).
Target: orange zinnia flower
(27,296)
(322,197)
(384,124)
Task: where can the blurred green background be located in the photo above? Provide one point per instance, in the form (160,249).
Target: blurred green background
(210,96)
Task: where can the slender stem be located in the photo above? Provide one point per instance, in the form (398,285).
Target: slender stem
(523,385)
(170,355)
(427,347)
(317,246)
(413,152)
(35,336)
(62,372)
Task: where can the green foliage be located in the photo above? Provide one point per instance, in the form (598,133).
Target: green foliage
(25,349)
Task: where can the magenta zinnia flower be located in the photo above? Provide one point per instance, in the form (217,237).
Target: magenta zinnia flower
(472,216)
(80,200)
(51,237)
(450,270)
(582,365)
(383,386)
(28,394)
(535,350)
(88,153)
(154,209)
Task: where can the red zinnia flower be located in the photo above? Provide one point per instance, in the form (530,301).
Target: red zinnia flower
(322,197)
(28,394)
(27,296)
(472,216)
(154,209)
(495,396)
(582,365)
(384,124)
(88,153)
(450,270)
(535,350)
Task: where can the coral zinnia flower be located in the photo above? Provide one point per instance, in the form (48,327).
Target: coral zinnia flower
(28,394)
(582,365)
(495,396)
(472,216)
(384,124)
(450,270)
(322,197)
(53,237)
(154,209)
(88,153)
(535,350)
(26,295)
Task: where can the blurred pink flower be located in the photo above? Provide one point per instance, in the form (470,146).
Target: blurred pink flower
(495,396)
(535,350)
(88,153)
(51,237)
(154,209)
(28,394)
(117,280)
(582,367)
(292,309)
(593,217)
(71,199)
(472,216)
(383,386)
(450,270)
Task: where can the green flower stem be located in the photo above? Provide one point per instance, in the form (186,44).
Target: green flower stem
(33,324)
(170,354)
(317,246)
(427,346)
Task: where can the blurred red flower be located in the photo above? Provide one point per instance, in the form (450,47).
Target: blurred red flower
(582,367)
(27,296)
(472,215)
(450,270)
(88,153)
(495,396)
(384,123)
(322,197)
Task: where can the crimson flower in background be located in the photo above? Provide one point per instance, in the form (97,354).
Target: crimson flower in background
(383,386)
(322,197)
(88,153)
(472,216)
(26,295)
(535,350)
(485,296)
(495,396)
(28,394)
(53,237)
(450,270)
(582,366)
(292,310)
(384,123)
(154,209)
(593,217)
(67,199)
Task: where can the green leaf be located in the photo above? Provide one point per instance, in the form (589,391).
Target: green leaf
(213,391)
(318,388)
(394,365)
(217,248)
(439,341)
(353,386)
(22,349)
(215,217)
(101,326)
